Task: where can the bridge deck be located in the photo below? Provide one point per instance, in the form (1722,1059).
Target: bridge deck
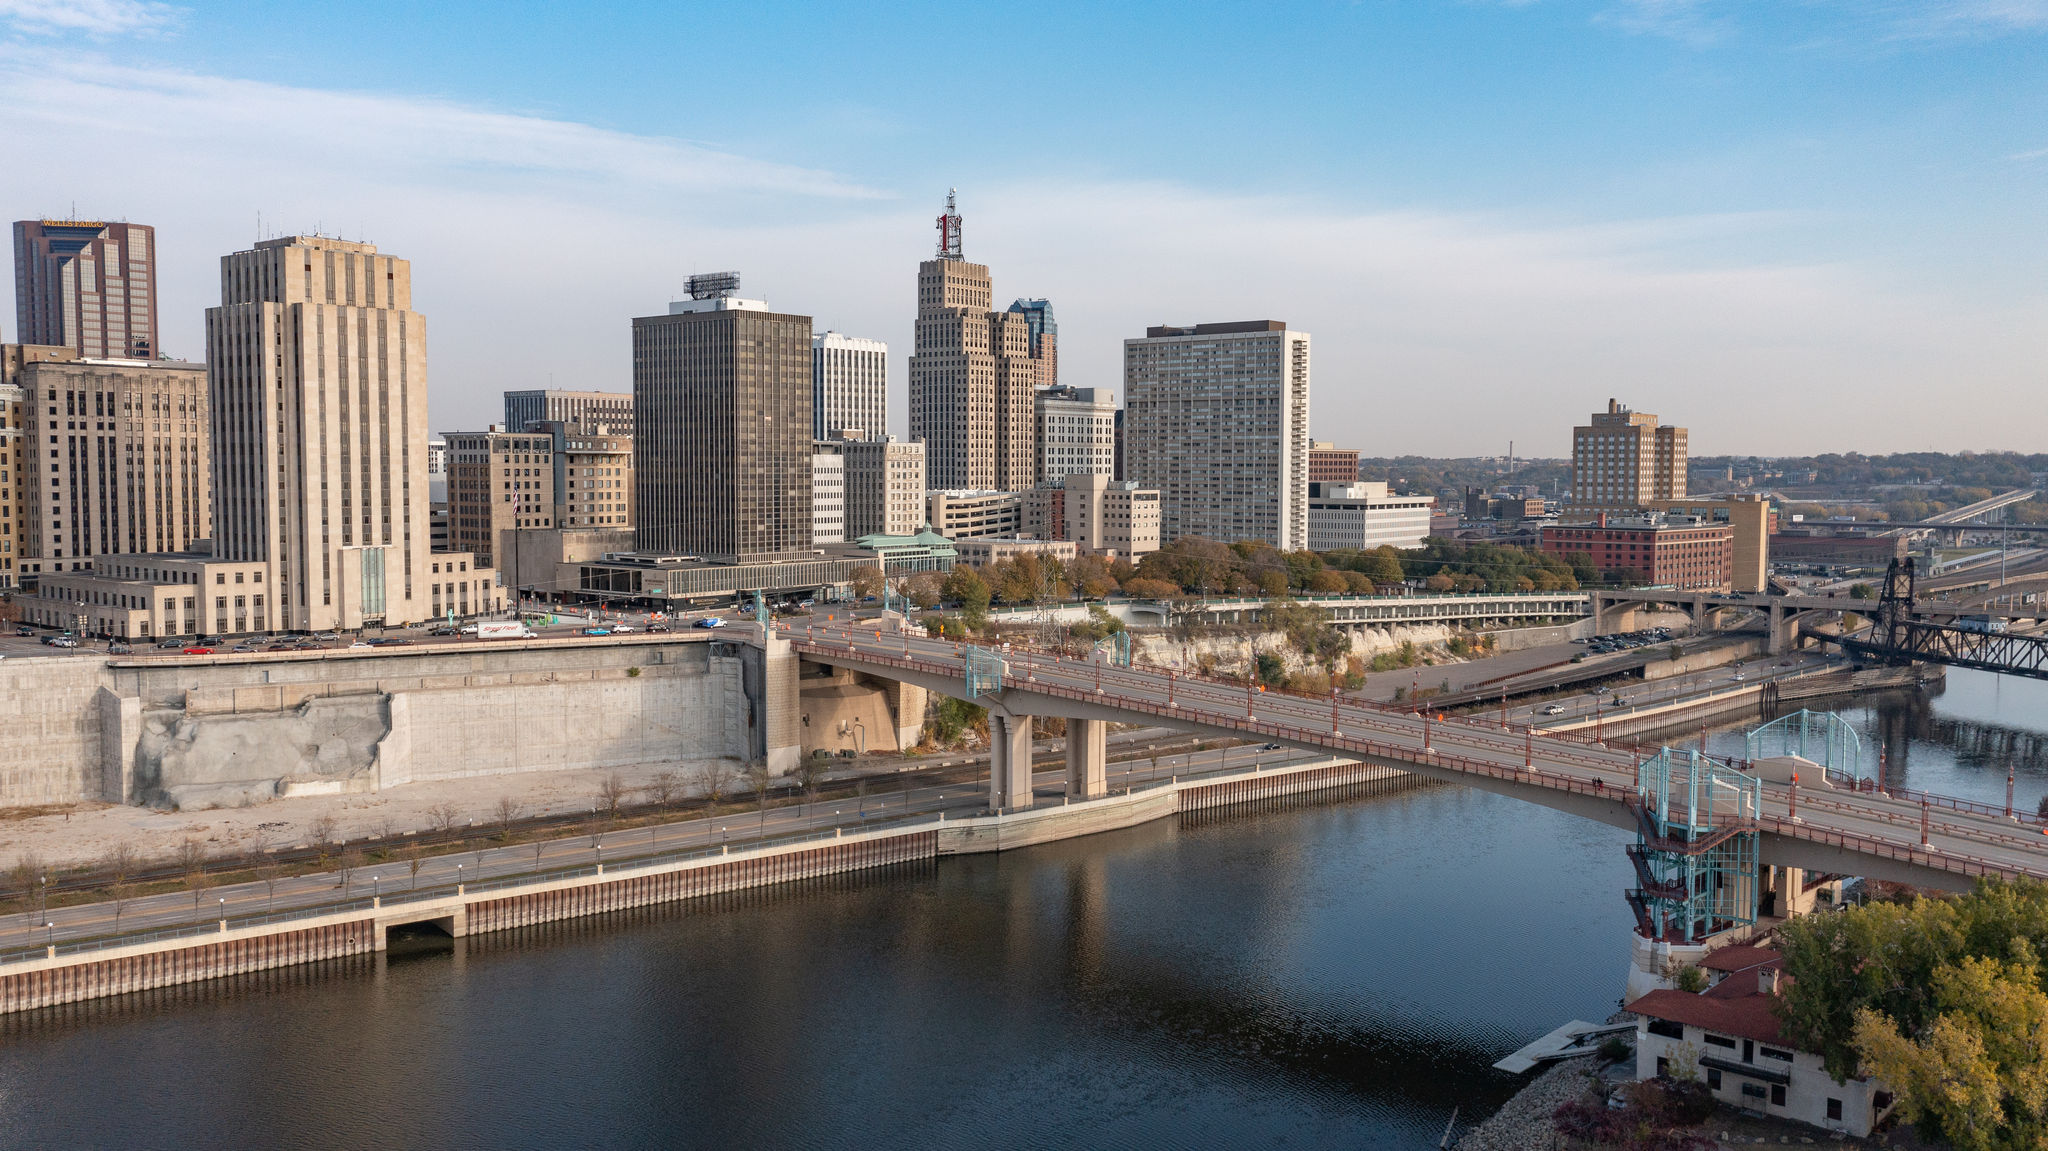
(1925,835)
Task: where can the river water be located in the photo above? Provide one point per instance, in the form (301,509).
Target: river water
(1336,974)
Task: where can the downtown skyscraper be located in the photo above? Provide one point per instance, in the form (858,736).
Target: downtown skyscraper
(87,285)
(972,378)
(722,428)
(318,373)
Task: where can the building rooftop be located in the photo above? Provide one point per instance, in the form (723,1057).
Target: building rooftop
(1735,1006)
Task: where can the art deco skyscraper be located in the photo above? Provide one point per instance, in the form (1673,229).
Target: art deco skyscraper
(318,374)
(972,378)
(722,428)
(88,286)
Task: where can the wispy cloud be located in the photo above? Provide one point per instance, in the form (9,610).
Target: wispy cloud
(92,17)
(2023,157)
(1687,21)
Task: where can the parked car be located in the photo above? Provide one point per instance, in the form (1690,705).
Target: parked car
(442,631)
(211,641)
(171,644)
(198,651)
(325,636)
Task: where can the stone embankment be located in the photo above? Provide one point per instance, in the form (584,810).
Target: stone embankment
(73,973)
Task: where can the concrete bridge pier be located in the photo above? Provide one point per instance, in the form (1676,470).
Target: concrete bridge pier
(1087,759)
(1009,761)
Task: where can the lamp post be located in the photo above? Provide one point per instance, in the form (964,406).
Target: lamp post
(458,879)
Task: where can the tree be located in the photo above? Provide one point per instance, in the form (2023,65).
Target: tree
(1328,582)
(22,878)
(411,853)
(1141,587)
(507,813)
(972,593)
(714,777)
(1977,1075)
(758,777)
(120,866)
(443,817)
(351,862)
(1862,591)
(667,785)
(866,580)
(269,871)
(192,865)
(925,589)
(321,832)
(1091,577)
(611,795)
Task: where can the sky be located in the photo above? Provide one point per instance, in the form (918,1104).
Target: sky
(1793,227)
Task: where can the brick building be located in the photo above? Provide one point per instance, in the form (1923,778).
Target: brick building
(1682,552)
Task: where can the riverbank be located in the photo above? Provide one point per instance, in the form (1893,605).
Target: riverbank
(115,965)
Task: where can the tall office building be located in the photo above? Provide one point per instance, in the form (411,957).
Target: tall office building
(1330,464)
(16,454)
(1076,432)
(87,285)
(1216,419)
(722,418)
(849,387)
(528,409)
(885,486)
(319,406)
(128,464)
(1044,334)
(972,378)
(1622,461)
(593,475)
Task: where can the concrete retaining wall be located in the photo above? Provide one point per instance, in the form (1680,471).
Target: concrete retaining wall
(146,966)
(50,722)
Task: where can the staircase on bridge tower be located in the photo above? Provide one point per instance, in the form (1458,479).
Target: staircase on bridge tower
(1696,849)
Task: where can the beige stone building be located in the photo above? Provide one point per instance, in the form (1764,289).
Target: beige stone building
(319,403)
(593,475)
(885,487)
(498,482)
(972,378)
(14,450)
(1623,461)
(979,553)
(1113,519)
(115,458)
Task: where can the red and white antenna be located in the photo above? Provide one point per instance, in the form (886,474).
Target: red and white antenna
(949,228)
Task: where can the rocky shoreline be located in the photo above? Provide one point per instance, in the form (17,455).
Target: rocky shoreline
(1524,1122)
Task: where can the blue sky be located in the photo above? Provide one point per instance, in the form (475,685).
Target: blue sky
(1797,226)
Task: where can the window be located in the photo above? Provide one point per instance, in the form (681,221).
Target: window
(1667,1029)
(1714,1078)
(1720,1040)
(1753,1090)
(1774,1053)
(1834,1105)
(1777,1094)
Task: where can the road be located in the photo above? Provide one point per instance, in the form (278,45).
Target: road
(1960,838)
(181,909)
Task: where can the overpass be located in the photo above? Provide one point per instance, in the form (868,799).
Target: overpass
(1968,512)
(1784,613)
(1837,827)
(1480,609)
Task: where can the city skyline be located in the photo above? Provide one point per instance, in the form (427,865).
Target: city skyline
(1775,247)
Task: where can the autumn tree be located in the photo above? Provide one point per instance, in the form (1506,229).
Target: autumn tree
(1975,1075)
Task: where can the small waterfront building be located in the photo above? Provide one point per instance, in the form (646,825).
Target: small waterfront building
(1728,1036)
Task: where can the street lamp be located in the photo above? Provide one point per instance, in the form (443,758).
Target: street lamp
(376,893)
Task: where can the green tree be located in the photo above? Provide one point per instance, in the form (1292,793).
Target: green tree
(1977,1074)
(1881,956)
(972,593)
(866,580)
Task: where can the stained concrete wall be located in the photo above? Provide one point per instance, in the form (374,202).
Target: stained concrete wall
(227,731)
(50,721)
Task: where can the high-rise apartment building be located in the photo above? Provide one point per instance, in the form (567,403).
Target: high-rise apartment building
(1622,460)
(87,285)
(498,482)
(849,387)
(828,495)
(117,458)
(972,378)
(1216,419)
(319,405)
(1076,432)
(722,412)
(1044,334)
(526,409)
(885,487)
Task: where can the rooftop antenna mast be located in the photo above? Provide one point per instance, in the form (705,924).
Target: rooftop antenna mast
(949,227)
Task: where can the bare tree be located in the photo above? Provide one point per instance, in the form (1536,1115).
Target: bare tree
(715,776)
(22,877)
(507,813)
(412,855)
(270,871)
(351,861)
(611,795)
(321,831)
(667,786)
(192,865)
(757,779)
(443,817)
(120,866)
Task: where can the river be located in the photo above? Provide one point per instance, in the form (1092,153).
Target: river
(1335,974)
